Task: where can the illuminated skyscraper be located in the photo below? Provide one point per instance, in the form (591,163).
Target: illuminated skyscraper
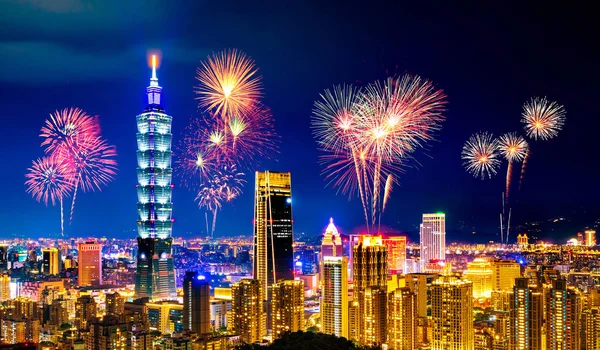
(334,296)
(196,303)
(108,333)
(288,307)
(165,316)
(433,238)
(504,273)
(590,238)
(396,250)
(3,257)
(90,264)
(85,309)
(4,288)
(155,276)
(51,261)
(247,310)
(115,304)
(527,316)
(332,242)
(563,313)
(479,271)
(590,320)
(402,320)
(370,288)
(273,239)
(452,314)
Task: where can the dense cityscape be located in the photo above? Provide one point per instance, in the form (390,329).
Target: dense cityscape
(480,272)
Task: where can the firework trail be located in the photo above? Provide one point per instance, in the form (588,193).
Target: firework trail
(389,183)
(513,148)
(480,155)
(49,179)
(72,137)
(229,84)
(542,119)
(368,134)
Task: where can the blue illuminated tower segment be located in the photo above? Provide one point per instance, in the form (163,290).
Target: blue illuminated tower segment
(155,276)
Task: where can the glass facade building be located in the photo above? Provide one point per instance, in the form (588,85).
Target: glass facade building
(155,276)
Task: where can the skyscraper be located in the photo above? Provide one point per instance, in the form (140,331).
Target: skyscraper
(396,250)
(433,238)
(590,321)
(115,304)
(563,313)
(452,314)
(51,261)
(196,303)
(479,271)
(3,257)
(334,296)
(402,319)
(332,242)
(247,310)
(85,309)
(370,288)
(288,307)
(155,276)
(504,273)
(273,239)
(4,287)
(90,264)
(527,316)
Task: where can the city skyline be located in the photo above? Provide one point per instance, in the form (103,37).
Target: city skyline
(421,190)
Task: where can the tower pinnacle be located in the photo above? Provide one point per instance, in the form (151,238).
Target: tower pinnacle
(154,79)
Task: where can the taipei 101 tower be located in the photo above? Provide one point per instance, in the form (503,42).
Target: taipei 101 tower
(155,276)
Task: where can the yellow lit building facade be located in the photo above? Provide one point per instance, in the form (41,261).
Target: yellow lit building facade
(504,273)
(402,319)
(288,307)
(247,310)
(452,314)
(334,296)
(51,261)
(479,272)
(165,316)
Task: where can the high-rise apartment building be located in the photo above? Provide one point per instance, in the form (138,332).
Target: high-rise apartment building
(590,321)
(115,304)
(165,316)
(370,288)
(433,238)
(19,330)
(479,271)
(396,251)
(563,315)
(196,303)
(108,333)
(402,319)
(504,273)
(452,314)
(527,316)
(247,310)
(334,296)
(51,263)
(273,239)
(90,264)
(4,288)
(155,276)
(288,307)
(85,309)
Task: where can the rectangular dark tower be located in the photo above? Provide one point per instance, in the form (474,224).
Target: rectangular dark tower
(196,303)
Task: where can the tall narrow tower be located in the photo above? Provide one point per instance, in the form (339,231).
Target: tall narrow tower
(433,238)
(155,276)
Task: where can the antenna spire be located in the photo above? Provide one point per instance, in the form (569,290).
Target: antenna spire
(154,79)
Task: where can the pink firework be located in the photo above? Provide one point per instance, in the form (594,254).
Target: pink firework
(49,180)
(65,126)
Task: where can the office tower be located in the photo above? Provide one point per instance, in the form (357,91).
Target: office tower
(563,312)
(452,314)
(370,288)
(332,242)
(196,303)
(334,296)
(504,273)
(90,264)
(273,239)
(590,320)
(15,331)
(396,250)
(115,304)
(4,288)
(85,309)
(420,283)
(108,333)
(590,238)
(433,238)
(479,271)
(288,307)
(527,316)
(247,310)
(3,257)
(165,316)
(402,319)
(51,261)
(155,276)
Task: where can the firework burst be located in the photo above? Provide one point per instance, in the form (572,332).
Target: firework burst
(543,119)
(480,155)
(513,148)
(229,84)
(366,135)
(65,126)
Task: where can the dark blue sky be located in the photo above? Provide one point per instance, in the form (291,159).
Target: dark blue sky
(488,58)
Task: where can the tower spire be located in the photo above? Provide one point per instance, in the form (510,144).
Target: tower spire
(154,90)
(154,79)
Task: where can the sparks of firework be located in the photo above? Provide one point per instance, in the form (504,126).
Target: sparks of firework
(229,83)
(480,155)
(513,148)
(50,179)
(389,183)
(370,132)
(65,126)
(542,119)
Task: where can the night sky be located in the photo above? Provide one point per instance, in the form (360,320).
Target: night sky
(489,60)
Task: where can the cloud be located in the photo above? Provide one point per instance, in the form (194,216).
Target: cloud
(48,63)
